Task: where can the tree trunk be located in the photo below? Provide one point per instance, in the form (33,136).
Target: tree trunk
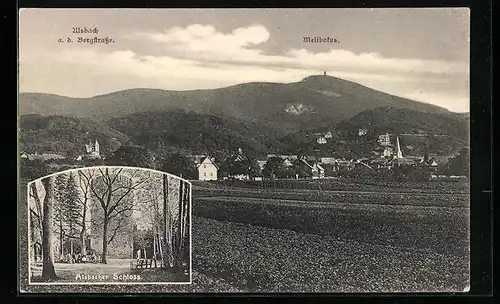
(104,242)
(84,228)
(84,216)
(61,240)
(161,253)
(48,271)
(187,222)
(180,224)
(39,210)
(166,252)
(154,246)
(83,241)
(70,238)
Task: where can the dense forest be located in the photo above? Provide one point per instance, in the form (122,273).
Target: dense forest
(183,132)
(66,135)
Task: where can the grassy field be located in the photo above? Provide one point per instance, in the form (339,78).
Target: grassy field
(345,184)
(306,240)
(259,259)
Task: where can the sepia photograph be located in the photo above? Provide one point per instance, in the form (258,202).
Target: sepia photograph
(322,150)
(105,225)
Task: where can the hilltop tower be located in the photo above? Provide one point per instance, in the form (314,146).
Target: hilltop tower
(399,152)
(324,73)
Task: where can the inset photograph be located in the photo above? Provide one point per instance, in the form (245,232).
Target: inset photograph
(109,225)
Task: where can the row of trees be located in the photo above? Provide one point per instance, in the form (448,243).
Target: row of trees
(59,206)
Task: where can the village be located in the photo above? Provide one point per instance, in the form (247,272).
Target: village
(314,167)
(238,166)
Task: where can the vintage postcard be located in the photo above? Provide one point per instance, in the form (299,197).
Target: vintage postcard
(323,150)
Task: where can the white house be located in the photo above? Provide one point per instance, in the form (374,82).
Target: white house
(261,164)
(321,141)
(328,134)
(362,132)
(384,139)
(287,163)
(207,169)
(387,152)
(327,160)
(318,171)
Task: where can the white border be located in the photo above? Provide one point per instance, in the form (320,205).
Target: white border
(112,283)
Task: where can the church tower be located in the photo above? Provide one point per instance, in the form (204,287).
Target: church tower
(399,152)
(96,147)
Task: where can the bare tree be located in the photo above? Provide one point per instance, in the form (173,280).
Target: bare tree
(168,228)
(48,271)
(37,214)
(114,192)
(186,221)
(183,221)
(84,180)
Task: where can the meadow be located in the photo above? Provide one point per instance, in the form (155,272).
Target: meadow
(293,238)
(345,184)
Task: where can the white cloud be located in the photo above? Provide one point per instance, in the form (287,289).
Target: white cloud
(199,56)
(199,42)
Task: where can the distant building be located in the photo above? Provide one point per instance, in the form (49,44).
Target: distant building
(289,157)
(327,160)
(308,169)
(207,169)
(328,135)
(321,140)
(93,150)
(399,159)
(387,152)
(261,164)
(287,163)
(43,156)
(384,139)
(318,171)
(362,132)
(398,147)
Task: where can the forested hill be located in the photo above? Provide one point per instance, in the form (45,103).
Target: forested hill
(289,107)
(66,135)
(195,133)
(396,121)
(441,133)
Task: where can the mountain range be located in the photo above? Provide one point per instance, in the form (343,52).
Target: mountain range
(312,102)
(258,117)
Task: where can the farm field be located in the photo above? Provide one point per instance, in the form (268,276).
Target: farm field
(344,184)
(303,240)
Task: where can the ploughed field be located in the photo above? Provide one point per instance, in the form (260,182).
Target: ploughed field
(306,240)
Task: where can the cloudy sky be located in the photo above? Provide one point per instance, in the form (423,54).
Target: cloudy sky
(421,54)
